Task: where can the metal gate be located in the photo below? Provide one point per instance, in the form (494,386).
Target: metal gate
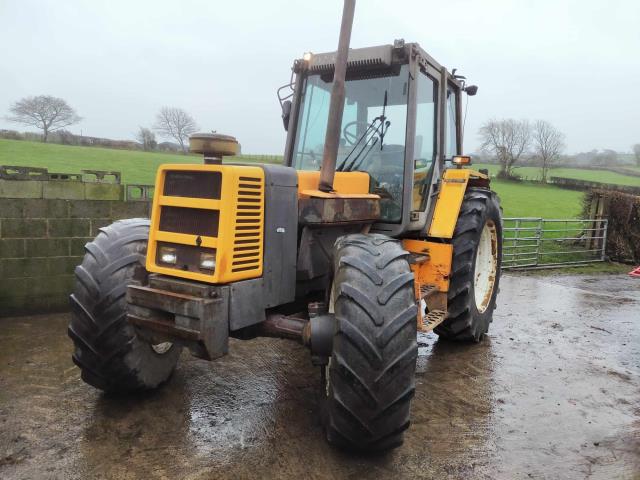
(540,242)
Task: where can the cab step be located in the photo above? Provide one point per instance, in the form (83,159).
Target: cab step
(432,319)
(435,302)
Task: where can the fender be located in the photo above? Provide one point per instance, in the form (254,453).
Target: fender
(453,187)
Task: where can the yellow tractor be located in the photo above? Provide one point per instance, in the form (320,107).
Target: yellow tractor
(369,232)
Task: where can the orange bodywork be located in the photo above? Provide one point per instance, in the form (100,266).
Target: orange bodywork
(345,184)
(447,209)
(431,272)
(436,268)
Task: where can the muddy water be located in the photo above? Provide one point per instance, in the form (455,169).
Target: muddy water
(553,392)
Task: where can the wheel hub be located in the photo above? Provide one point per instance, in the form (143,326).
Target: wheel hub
(485,266)
(162,348)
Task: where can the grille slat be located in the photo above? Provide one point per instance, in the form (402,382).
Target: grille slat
(248,228)
(245,261)
(247,241)
(242,269)
(194,184)
(193,221)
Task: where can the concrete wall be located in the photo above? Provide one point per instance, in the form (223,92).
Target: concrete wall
(44,226)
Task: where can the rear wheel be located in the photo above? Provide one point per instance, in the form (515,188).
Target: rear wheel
(371,373)
(110,355)
(475,271)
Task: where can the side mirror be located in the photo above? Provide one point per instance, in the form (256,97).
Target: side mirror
(471,90)
(286,113)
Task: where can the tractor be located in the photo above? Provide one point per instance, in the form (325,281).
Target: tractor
(369,232)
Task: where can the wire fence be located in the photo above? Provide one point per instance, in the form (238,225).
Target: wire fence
(543,243)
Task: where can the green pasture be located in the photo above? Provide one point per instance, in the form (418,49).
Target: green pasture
(517,199)
(136,166)
(604,176)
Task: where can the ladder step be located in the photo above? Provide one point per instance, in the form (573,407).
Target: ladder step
(427,290)
(432,319)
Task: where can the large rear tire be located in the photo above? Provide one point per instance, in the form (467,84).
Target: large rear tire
(110,355)
(371,374)
(475,271)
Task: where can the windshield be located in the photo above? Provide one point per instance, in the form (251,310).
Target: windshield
(373,132)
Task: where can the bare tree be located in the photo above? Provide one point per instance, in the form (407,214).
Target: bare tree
(607,158)
(507,140)
(146,138)
(636,152)
(548,144)
(44,112)
(175,123)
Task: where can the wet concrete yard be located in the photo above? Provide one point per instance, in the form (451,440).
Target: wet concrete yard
(553,392)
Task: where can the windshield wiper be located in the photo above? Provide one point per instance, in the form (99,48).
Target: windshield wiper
(375,131)
(384,109)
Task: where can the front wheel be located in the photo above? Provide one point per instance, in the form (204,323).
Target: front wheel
(371,374)
(475,271)
(110,355)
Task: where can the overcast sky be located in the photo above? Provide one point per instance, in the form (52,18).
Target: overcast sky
(574,63)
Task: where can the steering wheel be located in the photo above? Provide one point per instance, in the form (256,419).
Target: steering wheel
(351,138)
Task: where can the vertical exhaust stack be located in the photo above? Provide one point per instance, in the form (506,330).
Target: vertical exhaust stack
(336,105)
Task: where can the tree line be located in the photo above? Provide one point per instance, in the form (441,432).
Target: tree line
(52,115)
(510,142)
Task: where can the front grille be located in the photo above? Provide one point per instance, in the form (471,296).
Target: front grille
(195,184)
(248,227)
(193,221)
(202,221)
(188,257)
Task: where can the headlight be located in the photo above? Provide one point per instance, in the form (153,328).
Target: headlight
(207,261)
(168,255)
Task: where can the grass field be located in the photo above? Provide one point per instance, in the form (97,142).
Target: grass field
(136,167)
(518,200)
(603,176)
(545,201)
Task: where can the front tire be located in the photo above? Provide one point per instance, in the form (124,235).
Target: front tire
(371,374)
(475,270)
(110,355)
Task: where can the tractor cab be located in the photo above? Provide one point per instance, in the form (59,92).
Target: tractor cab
(400,124)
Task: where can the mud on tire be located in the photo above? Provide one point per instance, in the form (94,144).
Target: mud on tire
(371,374)
(110,355)
(465,321)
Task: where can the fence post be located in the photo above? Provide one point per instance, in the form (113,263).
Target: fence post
(605,228)
(539,233)
(595,229)
(515,243)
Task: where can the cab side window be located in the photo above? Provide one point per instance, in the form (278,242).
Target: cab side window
(451,144)
(424,150)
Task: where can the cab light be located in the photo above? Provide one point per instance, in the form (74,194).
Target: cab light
(461,160)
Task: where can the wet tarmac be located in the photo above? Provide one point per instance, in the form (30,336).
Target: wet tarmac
(552,392)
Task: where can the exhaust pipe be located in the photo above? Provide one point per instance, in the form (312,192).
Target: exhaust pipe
(336,105)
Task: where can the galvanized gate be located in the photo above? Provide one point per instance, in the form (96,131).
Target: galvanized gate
(540,242)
